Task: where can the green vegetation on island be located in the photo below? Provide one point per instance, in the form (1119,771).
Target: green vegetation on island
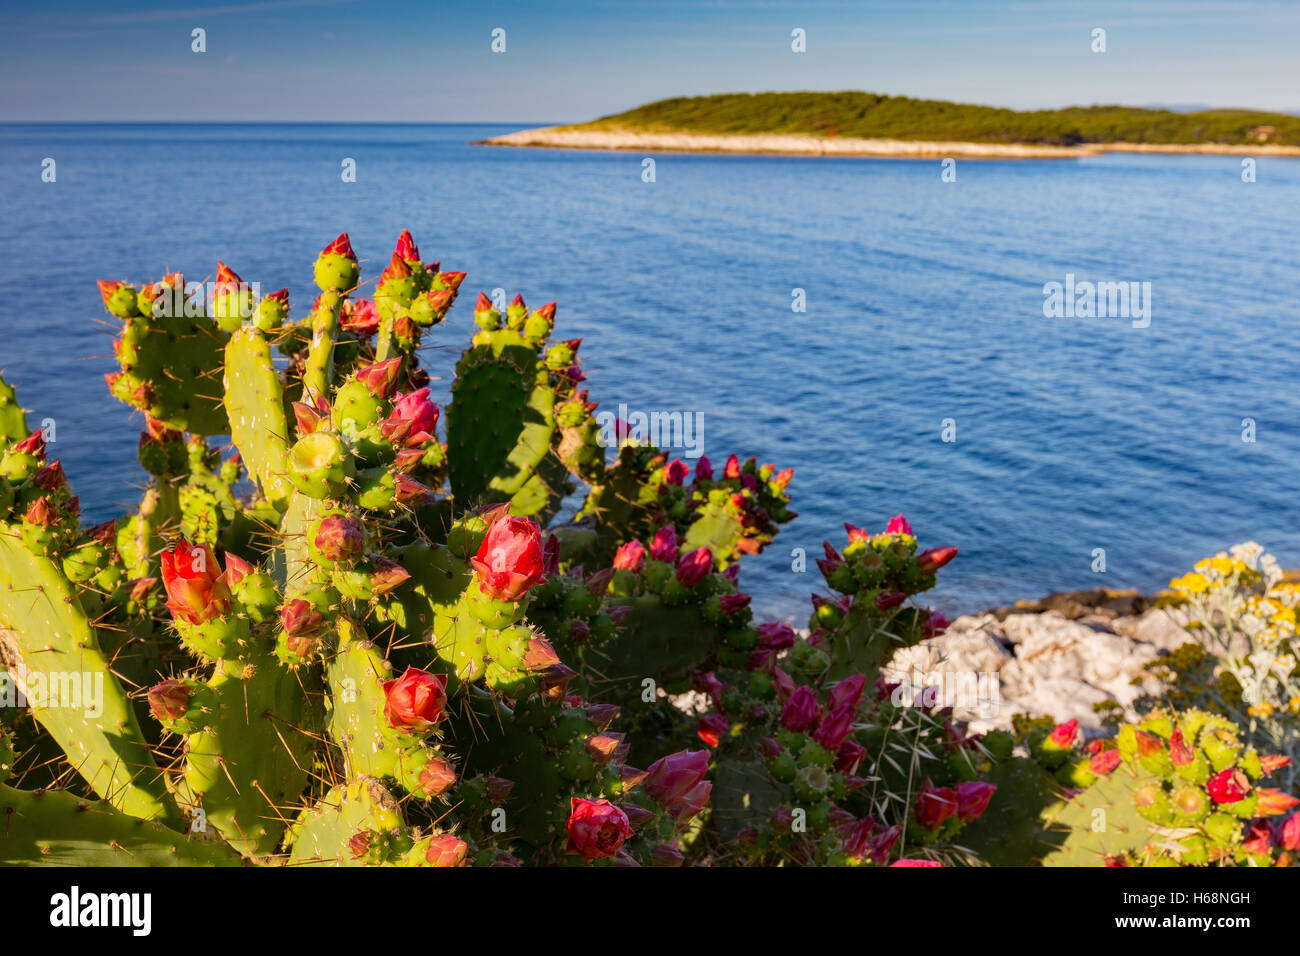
(876,116)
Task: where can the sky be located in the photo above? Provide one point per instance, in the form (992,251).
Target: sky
(358,61)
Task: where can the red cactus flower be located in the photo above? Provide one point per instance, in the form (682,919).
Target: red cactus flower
(360,317)
(1288,833)
(664,545)
(416,408)
(446,850)
(782,478)
(911,862)
(630,556)
(380,377)
(1179,752)
(711,728)
(935,558)
(1063,735)
(973,798)
(732,468)
(898,525)
(694,566)
(1228,786)
(1259,838)
(934,805)
(855,533)
(509,561)
(704,469)
(196,589)
(1271,762)
(597,828)
(1104,761)
(1273,802)
(800,711)
(415,701)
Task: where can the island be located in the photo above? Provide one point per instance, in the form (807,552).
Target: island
(855,123)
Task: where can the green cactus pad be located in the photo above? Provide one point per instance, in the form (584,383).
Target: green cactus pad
(54,828)
(250,768)
(500,421)
(45,631)
(255,405)
(353,825)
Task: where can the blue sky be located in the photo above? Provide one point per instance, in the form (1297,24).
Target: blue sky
(351,60)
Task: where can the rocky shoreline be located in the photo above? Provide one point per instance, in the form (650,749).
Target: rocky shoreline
(570,137)
(1056,657)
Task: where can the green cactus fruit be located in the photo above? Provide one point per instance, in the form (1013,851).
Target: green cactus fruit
(218,639)
(355,407)
(320,466)
(336,268)
(84,561)
(1191,805)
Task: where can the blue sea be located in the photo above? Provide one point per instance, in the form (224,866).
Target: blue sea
(924,306)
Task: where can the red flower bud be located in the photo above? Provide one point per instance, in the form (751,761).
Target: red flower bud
(416,409)
(732,468)
(671,778)
(1104,762)
(509,561)
(446,850)
(898,525)
(341,246)
(885,601)
(380,378)
(711,728)
(388,575)
(850,756)
(630,556)
(800,711)
(703,469)
(1273,801)
(406,247)
(935,558)
(339,537)
(694,566)
(934,805)
(973,799)
(835,727)
(1228,786)
(170,700)
(664,545)
(675,472)
(437,777)
(415,701)
(734,603)
(597,828)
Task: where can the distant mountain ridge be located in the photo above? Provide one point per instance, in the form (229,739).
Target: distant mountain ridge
(877,116)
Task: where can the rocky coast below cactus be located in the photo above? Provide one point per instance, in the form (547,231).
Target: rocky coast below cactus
(345,626)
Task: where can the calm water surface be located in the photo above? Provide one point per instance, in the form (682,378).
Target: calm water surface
(924,303)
